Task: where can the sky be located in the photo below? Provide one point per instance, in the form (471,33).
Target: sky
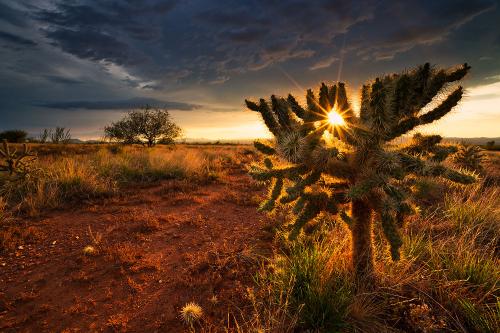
(82,64)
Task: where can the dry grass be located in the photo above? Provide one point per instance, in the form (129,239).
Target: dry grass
(75,173)
(447,279)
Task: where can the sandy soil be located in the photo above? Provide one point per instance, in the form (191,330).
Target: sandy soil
(157,248)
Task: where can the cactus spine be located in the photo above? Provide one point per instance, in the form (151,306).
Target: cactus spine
(333,167)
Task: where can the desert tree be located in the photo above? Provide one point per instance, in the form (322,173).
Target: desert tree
(44,135)
(122,131)
(13,136)
(326,158)
(60,135)
(148,126)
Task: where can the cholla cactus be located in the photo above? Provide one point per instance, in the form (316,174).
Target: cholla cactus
(332,160)
(14,162)
(469,157)
(429,147)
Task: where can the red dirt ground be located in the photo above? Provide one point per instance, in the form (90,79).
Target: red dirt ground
(159,248)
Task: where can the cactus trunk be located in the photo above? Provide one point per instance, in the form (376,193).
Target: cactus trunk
(362,247)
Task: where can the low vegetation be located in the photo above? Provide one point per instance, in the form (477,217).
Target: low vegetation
(446,279)
(55,181)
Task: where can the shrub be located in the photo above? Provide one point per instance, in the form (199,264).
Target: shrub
(14,136)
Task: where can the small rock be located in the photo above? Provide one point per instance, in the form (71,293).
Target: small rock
(20,247)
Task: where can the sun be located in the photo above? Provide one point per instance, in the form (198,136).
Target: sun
(335,119)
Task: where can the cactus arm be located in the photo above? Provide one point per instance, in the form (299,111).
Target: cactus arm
(438,81)
(274,195)
(266,113)
(309,212)
(295,107)
(343,104)
(299,205)
(314,111)
(346,218)
(324,100)
(419,167)
(281,111)
(449,103)
(295,191)
(291,172)
(264,148)
(410,123)
(391,233)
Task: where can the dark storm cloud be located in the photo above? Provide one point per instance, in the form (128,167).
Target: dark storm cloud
(133,17)
(62,80)
(94,45)
(16,40)
(158,40)
(12,16)
(95,52)
(425,25)
(118,104)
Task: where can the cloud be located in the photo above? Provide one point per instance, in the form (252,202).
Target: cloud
(94,45)
(131,103)
(323,63)
(62,80)
(12,16)
(98,51)
(16,40)
(134,18)
(399,32)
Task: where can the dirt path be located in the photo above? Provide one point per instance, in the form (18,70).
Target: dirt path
(159,248)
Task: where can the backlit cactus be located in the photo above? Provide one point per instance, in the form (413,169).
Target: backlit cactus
(469,157)
(347,167)
(13,162)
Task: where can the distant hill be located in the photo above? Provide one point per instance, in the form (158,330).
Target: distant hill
(475,141)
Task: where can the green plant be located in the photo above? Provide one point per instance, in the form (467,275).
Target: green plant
(311,275)
(469,157)
(481,319)
(147,125)
(16,163)
(328,157)
(14,136)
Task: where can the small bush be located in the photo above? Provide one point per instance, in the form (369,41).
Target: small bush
(313,275)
